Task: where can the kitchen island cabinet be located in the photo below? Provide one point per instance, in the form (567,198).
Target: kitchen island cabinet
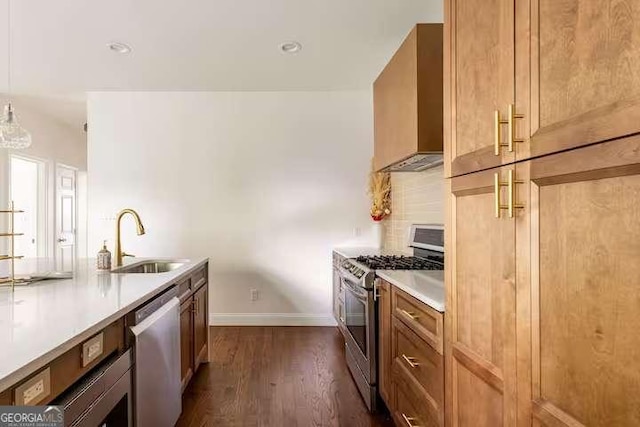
(194,329)
(89,332)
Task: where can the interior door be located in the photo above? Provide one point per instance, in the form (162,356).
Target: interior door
(578,296)
(480,280)
(479,42)
(583,61)
(65,222)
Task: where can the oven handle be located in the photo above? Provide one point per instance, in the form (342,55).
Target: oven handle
(344,274)
(361,296)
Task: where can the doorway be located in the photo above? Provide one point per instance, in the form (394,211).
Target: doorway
(65,218)
(28,191)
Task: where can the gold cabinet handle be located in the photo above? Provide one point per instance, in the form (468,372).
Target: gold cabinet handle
(497,185)
(512,193)
(411,361)
(511,129)
(497,132)
(410,314)
(195,305)
(409,420)
(511,126)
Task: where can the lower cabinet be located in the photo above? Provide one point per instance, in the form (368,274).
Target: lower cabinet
(411,363)
(200,326)
(543,295)
(186,342)
(194,329)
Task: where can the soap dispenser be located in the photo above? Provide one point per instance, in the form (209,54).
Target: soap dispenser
(104,258)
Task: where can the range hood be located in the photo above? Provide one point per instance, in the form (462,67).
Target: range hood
(408,113)
(417,163)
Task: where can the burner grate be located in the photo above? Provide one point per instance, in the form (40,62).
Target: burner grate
(400,262)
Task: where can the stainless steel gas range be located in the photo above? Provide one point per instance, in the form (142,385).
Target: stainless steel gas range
(356,300)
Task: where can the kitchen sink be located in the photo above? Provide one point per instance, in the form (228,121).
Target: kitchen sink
(150,267)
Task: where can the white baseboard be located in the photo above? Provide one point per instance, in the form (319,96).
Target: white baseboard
(271,319)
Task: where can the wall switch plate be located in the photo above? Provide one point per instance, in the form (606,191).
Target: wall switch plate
(254,295)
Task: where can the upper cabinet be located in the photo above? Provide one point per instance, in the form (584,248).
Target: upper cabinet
(525,78)
(583,72)
(407,99)
(479,83)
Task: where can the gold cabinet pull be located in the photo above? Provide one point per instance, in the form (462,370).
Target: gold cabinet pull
(497,185)
(409,420)
(511,183)
(410,314)
(411,361)
(497,132)
(511,127)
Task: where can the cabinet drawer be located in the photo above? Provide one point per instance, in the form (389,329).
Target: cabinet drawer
(54,378)
(420,361)
(420,318)
(412,408)
(199,278)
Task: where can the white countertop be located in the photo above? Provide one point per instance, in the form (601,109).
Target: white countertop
(355,251)
(426,286)
(40,321)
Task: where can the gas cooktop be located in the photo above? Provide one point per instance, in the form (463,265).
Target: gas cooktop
(401,262)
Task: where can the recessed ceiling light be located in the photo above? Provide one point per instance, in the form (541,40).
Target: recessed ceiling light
(119,47)
(291,47)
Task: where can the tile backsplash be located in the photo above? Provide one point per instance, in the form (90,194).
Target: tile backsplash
(416,198)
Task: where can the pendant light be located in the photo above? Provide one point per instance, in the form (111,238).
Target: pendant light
(12,135)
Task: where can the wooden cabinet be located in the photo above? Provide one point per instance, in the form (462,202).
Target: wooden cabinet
(479,81)
(384,342)
(526,78)
(543,302)
(186,342)
(481,303)
(559,278)
(578,296)
(580,62)
(411,369)
(48,382)
(200,326)
(194,324)
(407,99)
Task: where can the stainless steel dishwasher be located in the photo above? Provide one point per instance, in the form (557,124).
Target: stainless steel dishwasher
(155,332)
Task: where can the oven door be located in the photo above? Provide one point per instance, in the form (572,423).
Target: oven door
(360,325)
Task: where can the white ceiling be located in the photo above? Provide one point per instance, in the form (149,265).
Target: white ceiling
(59,46)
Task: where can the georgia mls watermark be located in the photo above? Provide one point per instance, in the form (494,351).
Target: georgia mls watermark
(31,416)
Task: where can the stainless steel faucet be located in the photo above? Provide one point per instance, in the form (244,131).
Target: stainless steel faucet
(119,252)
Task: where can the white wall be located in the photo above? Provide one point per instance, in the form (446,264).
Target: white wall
(264,183)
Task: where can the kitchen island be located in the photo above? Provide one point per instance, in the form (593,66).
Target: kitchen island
(42,323)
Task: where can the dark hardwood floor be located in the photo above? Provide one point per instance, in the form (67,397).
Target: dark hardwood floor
(275,376)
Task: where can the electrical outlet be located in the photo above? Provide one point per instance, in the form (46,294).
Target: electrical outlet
(254,295)
(357,232)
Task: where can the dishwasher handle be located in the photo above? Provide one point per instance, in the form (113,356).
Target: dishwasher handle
(154,305)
